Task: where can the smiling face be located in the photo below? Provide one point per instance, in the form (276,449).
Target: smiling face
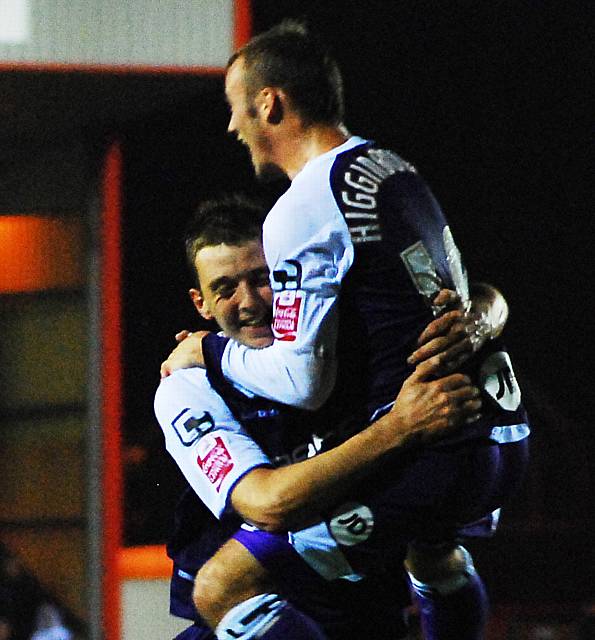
(235,291)
(249,119)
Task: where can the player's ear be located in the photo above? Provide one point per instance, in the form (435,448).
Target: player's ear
(272,104)
(200,304)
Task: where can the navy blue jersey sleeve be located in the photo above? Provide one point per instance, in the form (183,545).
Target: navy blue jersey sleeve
(213,346)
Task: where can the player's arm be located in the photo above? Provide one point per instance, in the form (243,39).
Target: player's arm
(299,368)
(457,334)
(292,497)
(491,307)
(225,466)
(209,446)
(308,253)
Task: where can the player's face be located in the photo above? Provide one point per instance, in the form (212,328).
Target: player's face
(235,291)
(247,120)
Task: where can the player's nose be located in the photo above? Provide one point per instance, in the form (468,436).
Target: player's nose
(248,297)
(231,125)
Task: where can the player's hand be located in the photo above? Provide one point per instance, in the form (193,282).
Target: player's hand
(454,336)
(427,408)
(187,354)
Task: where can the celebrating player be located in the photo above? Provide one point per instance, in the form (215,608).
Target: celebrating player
(359,220)
(226,252)
(224,247)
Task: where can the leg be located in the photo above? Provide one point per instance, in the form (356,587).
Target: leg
(231,576)
(433,492)
(451,596)
(234,593)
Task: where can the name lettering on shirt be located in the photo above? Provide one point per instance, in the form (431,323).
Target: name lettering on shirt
(362,182)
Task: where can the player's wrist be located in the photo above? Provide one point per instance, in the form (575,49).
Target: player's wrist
(391,431)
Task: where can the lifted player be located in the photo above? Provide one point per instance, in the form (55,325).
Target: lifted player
(359,220)
(225,249)
(216,446)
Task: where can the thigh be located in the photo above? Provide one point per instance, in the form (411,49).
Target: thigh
(235,573)
(346,610)
(190,550)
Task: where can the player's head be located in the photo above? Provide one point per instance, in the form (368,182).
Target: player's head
(224,249)
(283,69)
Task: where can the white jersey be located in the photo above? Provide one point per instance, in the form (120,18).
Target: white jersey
(214,453)
(359,221)
(309,250)
(208,444)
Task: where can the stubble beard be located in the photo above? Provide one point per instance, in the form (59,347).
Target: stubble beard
(269,172)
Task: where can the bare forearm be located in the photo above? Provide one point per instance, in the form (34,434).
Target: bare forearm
(425,409)
(292,497)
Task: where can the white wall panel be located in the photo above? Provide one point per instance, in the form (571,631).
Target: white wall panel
(130,32)
(145,611)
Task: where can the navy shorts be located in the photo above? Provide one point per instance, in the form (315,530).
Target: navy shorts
(433,496)
(371,607)
(337,607)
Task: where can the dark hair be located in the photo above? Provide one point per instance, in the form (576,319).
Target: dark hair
(232,219)
(291,58)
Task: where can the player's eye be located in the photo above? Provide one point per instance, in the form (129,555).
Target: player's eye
(225,292)
(224,288)
(261,278)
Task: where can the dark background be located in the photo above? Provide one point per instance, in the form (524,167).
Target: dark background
(489,101)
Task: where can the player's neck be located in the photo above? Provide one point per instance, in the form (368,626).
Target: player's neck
(307,143)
